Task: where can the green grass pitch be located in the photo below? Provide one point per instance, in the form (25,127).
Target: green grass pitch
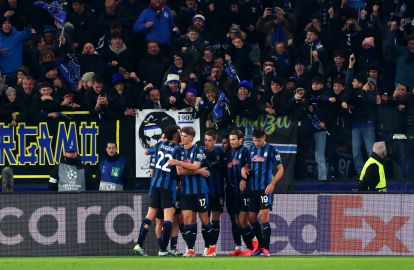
(217,263)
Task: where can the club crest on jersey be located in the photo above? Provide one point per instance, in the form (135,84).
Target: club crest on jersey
(256,158)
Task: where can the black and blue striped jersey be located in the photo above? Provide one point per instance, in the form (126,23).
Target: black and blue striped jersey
(262,162)
(238,159)
(215,163)
(165,174)
(193,184)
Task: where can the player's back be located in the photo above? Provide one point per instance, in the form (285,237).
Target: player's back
(165,174)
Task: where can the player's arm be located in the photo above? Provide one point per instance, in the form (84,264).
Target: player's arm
(183,168)
(278,175)
(202,171)
(245,175)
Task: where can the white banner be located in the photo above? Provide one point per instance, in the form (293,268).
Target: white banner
(149,126)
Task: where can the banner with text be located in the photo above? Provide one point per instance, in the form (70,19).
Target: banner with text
(92,224)
(149,127)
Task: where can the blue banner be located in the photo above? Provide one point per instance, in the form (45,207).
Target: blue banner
(57,9)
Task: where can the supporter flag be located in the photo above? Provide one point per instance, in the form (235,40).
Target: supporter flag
(230,70)
(70,70)
(57,9)
(221,109)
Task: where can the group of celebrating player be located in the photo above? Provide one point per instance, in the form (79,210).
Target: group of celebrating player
(187,179)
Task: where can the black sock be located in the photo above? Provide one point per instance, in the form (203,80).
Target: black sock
(236,231)
(165,235)
(257,230)
(192,236)
(143,231)
(206,231)
(186,233)
(159,241)
(215,233)
(247,236)
(173,242)
(266,235)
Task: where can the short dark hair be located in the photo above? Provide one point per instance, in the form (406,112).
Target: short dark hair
(97,79)
(339,81)
(189,131)
(360,78)
(238,133)
(170,131)
(258,133)
(111,142)
(211,133)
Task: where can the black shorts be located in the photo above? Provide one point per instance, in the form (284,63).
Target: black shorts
(216,203)
(259,201)
(236,203)
(160,212)
(161,198)
(196,203)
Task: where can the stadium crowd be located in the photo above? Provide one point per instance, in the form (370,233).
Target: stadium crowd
(344,74)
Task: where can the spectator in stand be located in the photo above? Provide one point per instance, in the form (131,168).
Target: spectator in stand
(46,105)
(10,108)
(16,12)
(85,24)
(317,110)
(108,16)
(49,36)
(390,125)
(337,70)
(301,74)
(240,56)
(361,106)
(172,93)
(205,108)
(404,55)
(122,101)
(205,63)
(281,59)
(91,61)
(186,13)
(191,99)
(85,83)
(150,98)
(117,55)
(11,43)
(25,94)
(276,25)
(151,67)
(191,45)
(352,37)
(242,103)
(268,73)
(96,99)
(370,54)
(180,67)
(199,22)
(276,98)
(220,79)
(157,22)
(311,52)
(337,123)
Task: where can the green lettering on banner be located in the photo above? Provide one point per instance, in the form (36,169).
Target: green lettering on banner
(269,123)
